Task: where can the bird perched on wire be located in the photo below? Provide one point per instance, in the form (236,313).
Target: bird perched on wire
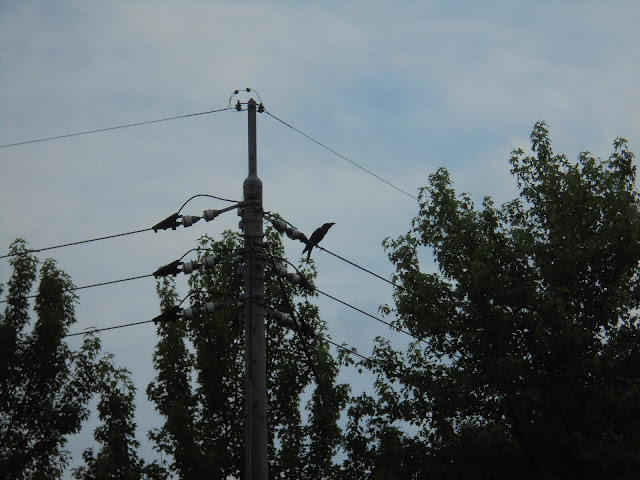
(315,238)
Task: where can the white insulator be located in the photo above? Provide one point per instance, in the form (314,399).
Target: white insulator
(283,319)
(281,271)
(279,225)
(209,307)
(209,262)
(189,267)
(209,215)
(293,233)
(187,220)
(293,278)
(189,313)
(286,321)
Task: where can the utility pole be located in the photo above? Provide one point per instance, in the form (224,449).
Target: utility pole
(256,441)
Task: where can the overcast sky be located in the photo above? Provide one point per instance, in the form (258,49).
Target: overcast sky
(400,88)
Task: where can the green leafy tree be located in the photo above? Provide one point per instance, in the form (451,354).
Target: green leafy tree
(529,364)
(118,456)
(44,384)
(199,388)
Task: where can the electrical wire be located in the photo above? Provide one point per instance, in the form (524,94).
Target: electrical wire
(87,286)
(114,327)
(388,324)
(96,330)
(303,341)
(209,196)
(73,289)
(457,357)
(372,361)
(340,155)
(429,301)
(236,92)
(365,270)
(112,128)
(36,250)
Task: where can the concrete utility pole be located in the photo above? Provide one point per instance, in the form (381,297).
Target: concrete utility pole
(256,441)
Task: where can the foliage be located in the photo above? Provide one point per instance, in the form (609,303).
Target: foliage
(118,455)
(199,388)
(44,385)
(529,362)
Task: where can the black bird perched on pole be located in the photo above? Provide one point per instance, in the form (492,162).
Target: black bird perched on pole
(316,237)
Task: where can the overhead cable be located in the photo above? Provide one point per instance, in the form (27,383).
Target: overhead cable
(208,196)
(170,222)
(73,289)
(301,338)
(470,320)
(340,155)
(458,356)
(96,330)
(388,324)
(112,128)
(36,250)
(372,361)
(157,273)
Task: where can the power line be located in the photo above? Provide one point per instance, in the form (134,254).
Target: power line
(73,289)
(114,327)
(459,356)
(340,155)
(112,236)
(36,250)
(463,357)
(96,330)
(112,128)
(208,196)
(373,361)
(365,269)
(388,324)
(302,340)
(429,301)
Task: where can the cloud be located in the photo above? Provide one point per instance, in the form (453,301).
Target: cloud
(400,88)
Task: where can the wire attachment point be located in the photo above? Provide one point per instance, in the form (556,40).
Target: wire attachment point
(296,325)
(170,315)
(169,269)
(295,278)
(283,227)
(171,222)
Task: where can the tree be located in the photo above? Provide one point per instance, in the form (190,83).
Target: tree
(528,364)
(44,384)
(199,388)
(118,456)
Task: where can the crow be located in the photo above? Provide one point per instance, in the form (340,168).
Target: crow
(316,237)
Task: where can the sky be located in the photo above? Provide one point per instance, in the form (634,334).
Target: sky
(400,88)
